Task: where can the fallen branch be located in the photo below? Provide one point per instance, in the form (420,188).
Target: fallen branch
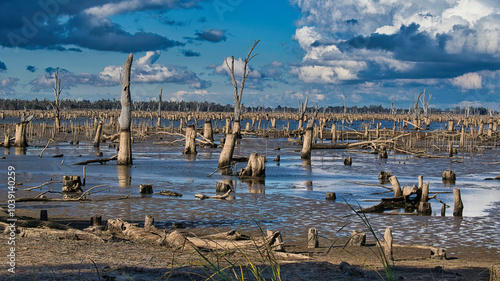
(45,148)
(101,160)
(218,197)
(43,184)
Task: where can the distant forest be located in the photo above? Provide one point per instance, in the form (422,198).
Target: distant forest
(107,104)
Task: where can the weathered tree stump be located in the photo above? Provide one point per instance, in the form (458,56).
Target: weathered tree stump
(146,189)
(207,130)
(256,166)
(226,154)
(190,148)
(275,240)
(358,238)
(384,176)
(96,220)
(388,244)
(458,206)
(331,196)
(312,238)
(383,152)
(396,187)
(348,161)
(72,184)
(6,142)
(307,144)
(224,186)
(21,135)
(149,222)
(97,139)
(449,177)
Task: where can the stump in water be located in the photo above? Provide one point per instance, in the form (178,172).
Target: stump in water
(384,176)
(358,238)
(6,142)
(458,206)
(388,244)
(190,148)
(348,161)
(449,177)
(207,130)
(149,222)
(307,143)
(275,240)
(146,189)
(331,196)
(72,184)
(227,151)
(256,166)
(98,133)
(312,238)
(383,152)
(224,186)
(395,185)
(21,135)
(125,152)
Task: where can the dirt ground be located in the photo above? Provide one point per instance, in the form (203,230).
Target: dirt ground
(56,258)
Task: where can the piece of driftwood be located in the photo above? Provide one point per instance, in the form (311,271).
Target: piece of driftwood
(170,193)
(219,197)
(100,160)
(133,232)
(43,184)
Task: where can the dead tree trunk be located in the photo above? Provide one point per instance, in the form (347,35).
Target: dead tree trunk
(388,244)
(190,148)
(125,152)
(207,130)
(256,166)
(458,206)
(238,95)
(158,123)
(21,135)
(227,151)
(6,142)
(307,143)
(396,186)
(56,105)
(98,133)
(302,112)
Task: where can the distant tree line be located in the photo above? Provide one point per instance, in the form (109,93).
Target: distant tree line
(114,104)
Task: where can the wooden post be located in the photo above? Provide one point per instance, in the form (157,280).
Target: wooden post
(420,181)
(227,151)
(312,238)
(307,143)
(98,133)
(190,148)
(334,133)
(388,244)
(396,186)
(125,152)
(458,206)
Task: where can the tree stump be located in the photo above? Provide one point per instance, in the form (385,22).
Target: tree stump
(6,142)
(396,187)
(348,161)
(149,222)
(146,189)
(125,152)
(207,130)
(388,244)
(275,240)
(190,148)
(358,238)
(331,196)
(72,184)
(21,135)
(383,153)
(226,154)
(98,133)
(449,177)
(307,144)
(96,220)
(224,186)
(384,176)
(312,238)
(256,166)
(458,206)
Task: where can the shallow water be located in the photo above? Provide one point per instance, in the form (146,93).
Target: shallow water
(292,199)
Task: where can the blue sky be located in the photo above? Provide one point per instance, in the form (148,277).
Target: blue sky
(368,51)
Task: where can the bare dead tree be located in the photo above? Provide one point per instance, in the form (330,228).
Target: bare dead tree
(56,105)
(302,112)
(393,108)
(425,101)
(125,152)
(158,123)
(238,92)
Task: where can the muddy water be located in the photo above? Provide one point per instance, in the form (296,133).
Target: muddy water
(292,199)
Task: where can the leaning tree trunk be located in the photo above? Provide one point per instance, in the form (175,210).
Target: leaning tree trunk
(190,148)
(125,152)
(227,151)
(97,139)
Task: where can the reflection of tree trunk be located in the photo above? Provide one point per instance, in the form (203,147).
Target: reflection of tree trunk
(227,151)
(124,178)
(190,140)
(125,152)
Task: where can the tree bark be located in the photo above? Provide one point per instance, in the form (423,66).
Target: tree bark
(125,152)
(227,151)
(190,148)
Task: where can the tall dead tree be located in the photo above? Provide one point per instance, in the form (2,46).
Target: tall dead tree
(238,92)
(302,112)
(158,123)
(125,152)
(56,105)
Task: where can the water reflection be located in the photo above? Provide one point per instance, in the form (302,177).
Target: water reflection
(124,177)
(20,151)
(255,185)
(309,185)
(306,164)
(6,151)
